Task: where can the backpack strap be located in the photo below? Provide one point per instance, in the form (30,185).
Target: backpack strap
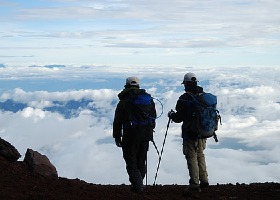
(196,100)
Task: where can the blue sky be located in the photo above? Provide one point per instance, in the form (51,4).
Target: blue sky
(133,33)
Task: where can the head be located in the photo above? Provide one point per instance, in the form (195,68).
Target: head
(132,82)
(190,79)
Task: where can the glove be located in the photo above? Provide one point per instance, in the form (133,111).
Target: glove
(118,142)
(171,114)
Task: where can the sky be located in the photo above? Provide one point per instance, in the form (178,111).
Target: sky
(82,146)
(139,33)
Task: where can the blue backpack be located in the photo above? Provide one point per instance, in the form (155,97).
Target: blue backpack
(206,116)
(141,110)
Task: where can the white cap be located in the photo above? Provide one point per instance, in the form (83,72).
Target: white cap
(190,77)
(132,81)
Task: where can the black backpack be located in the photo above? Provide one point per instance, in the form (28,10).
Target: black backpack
(206,116)
(140,110)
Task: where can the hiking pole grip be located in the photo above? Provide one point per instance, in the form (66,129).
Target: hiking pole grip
(215,137)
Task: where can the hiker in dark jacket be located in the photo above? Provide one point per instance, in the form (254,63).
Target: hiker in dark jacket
(133,139)
(193,148)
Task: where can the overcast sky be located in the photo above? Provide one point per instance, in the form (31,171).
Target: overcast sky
(140,32)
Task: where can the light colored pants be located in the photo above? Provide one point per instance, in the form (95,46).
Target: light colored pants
(193,151)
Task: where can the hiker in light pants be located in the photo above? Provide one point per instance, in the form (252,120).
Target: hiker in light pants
(193,148)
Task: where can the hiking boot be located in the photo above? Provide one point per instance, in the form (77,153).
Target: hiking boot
(136,190)
(191,191)
(204,185)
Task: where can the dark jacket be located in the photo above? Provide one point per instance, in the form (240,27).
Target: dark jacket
(122,114)
(185,110)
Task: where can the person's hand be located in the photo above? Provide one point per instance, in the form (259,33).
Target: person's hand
(118,142)
(170,114)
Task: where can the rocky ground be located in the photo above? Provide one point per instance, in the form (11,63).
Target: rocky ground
(17,182)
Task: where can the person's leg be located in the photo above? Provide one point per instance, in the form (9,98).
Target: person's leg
(203,175)
(142,157)
(130,157)
(190,152)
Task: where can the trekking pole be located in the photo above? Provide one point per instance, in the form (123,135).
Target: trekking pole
(161,151)
(146,174)
(155,147)
(146,166)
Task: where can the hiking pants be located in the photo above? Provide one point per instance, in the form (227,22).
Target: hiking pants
(193,151)
(135,156)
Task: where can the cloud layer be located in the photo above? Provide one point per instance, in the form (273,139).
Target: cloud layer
(82,146)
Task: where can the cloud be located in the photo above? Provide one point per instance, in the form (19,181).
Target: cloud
(42,99)
(76,30)
(37,114)
(83,147)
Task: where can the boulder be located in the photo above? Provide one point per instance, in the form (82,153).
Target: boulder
(8,151)
(39,163)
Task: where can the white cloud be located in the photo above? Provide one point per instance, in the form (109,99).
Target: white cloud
(83,147)
(36,114)
(80,32)
(40,98)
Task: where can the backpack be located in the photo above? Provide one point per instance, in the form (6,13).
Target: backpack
(140,110)
(205,117)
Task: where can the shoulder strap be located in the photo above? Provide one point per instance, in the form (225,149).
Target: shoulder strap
(196,100)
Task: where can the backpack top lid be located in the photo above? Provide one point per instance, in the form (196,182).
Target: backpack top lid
(207,99)
(141,99)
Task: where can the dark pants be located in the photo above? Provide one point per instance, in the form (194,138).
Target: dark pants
(135,146)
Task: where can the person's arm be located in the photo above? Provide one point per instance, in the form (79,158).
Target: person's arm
(118,121)
(183,110)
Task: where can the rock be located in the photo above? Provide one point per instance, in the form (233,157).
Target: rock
(8,151)
(39,163)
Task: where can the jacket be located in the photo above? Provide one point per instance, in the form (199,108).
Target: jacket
(121,113)
(185,109)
